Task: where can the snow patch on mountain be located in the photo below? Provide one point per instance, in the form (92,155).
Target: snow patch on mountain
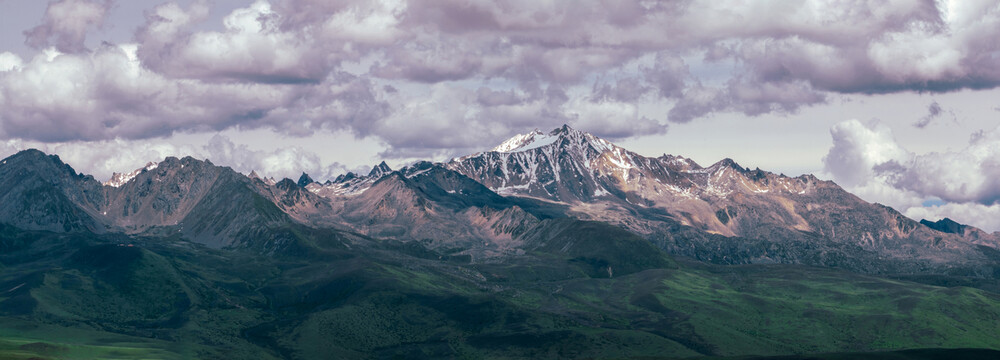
(523,142)
(350,184)
(380,170)
(344,186)
(511,190)
(119,179)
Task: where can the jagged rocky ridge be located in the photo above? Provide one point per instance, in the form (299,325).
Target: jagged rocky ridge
(482,205)
(191,198)
(722,213)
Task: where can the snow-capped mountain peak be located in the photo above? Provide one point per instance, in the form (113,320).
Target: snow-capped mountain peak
(119,179)
(350,184)
(564,135)
(571,165)
(522,142)
(562,164)
(380,170)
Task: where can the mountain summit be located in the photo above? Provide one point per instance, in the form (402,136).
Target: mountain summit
(559,165)
(40,192)
(574,166)
(212,205)
(697,211)
(523,142)
(119,179)
(380,170)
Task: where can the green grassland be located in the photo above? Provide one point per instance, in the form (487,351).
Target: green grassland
(78,297)
(20,339)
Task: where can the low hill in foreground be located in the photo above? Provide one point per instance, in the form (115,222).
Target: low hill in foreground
(83,296)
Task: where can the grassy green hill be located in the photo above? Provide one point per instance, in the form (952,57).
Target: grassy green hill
(110,296)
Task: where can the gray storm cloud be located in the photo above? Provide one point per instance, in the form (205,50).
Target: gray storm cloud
(497,67)
(66,23)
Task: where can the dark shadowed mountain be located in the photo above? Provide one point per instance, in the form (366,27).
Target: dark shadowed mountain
(40,192)
(304,180)
(969,233)
(945,225)
(204,203)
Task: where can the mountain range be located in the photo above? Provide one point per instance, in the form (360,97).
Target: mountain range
(549,241)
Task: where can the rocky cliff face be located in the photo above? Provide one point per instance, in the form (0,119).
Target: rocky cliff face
(208,204)
(205,203)
(564,165)
(722,213)
(438,207)
(40,192)
(162,196)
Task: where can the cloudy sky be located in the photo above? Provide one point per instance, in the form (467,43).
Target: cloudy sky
(896,100)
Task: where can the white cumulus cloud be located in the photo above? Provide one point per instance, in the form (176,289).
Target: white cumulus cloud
(867,160)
